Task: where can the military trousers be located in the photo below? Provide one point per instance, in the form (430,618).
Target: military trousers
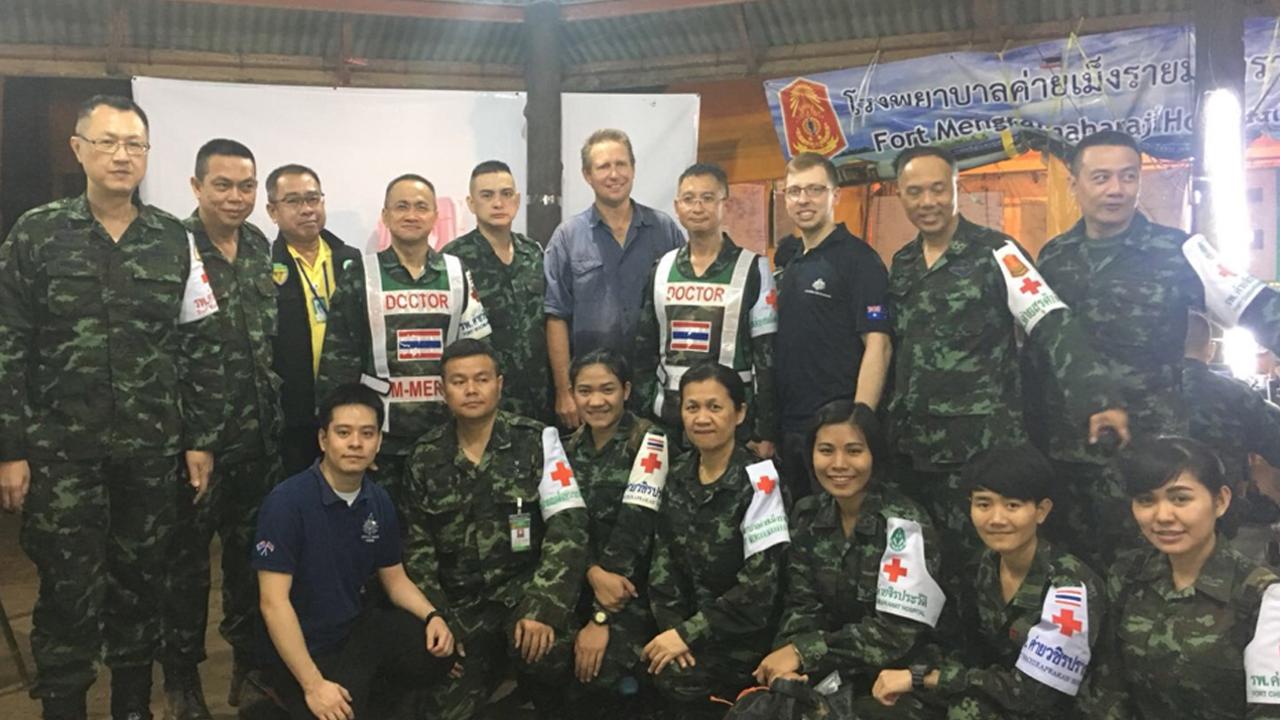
(1092,516)
(97,531)
(230,508)
(486,631)
(942,495)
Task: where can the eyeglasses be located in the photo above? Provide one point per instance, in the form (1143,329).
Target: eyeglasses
(705,200)
(107,146)
(810,191)
(296,202)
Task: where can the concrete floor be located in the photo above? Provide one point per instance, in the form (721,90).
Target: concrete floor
(18,593)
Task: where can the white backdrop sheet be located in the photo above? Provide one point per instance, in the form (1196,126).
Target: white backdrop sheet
(357,139)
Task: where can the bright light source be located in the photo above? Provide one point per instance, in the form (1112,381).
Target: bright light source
(1232,230)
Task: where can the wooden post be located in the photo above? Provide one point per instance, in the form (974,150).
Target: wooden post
(1219,31)
(542,117)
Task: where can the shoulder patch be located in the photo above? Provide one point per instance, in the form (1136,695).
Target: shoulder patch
(1056,652)
(904,586)
(1262,654)
(765,523)
(558,491)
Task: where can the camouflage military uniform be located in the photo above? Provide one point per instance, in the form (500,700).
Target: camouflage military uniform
(247,463)
(416,405)
(100,389)
(1262,316)
(754,352)
(620,541)
(725,608)
(1169,653)
(513,301)
(1232,418)
(459,552)
(830,606)
(977,678)
(1131,293)
(957,389)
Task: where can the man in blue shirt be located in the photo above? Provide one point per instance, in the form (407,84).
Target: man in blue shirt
(598,263)
(321,535)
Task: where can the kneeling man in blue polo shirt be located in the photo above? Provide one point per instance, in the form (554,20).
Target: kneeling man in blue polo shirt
(322,534)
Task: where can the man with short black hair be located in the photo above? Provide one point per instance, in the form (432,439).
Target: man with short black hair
(833,318)
(322,535)
(507,268)
(1130,282)
(307,261)
(423,301)
(960,296)
(237,260)
(497,537)
(708,300)
(597,263)
(109,370)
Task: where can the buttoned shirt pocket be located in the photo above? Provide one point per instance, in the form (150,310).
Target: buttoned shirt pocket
(156,290)
(74,289)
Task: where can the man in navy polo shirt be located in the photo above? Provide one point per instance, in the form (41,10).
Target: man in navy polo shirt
(833,325)
(321,535)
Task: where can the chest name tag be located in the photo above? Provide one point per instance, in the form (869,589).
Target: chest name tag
(1056,652)
(1262,654)
(521,530)
(904,586)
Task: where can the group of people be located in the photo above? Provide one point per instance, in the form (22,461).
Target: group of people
(965,486)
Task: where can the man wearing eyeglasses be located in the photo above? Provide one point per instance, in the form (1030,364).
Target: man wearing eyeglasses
(507,268)
(237,259)
(833,325)
(307,261)
(708,300)
(108,371)
(392,317)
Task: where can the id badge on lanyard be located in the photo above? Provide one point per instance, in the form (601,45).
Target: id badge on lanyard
(320,308)
(521,528)
(319,305)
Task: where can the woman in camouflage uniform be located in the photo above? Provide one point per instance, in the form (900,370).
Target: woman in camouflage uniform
(715,581)
(1194,625)
(1022,597)
(622,460)
(840,613)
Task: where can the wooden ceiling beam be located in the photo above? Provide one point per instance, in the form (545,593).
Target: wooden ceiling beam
(432,9)
(601,9)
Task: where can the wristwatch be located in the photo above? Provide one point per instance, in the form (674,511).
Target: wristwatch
(917,676)
(600,617)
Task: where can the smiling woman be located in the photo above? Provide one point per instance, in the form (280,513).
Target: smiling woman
(1185,608)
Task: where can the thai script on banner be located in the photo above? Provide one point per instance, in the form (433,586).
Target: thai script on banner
(1140,81)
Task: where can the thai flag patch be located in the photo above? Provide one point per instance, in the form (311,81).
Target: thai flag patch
(654,444)
(1069,597)
(690,336)
(419,344)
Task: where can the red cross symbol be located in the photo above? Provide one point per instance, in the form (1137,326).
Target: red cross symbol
(651,462)
(1030,287)
(204,278)
(562,474)
(1067,622)
(767,484)
(895,570)
(772,298)
(1225,271)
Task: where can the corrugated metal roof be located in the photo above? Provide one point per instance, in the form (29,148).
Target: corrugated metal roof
(643,39)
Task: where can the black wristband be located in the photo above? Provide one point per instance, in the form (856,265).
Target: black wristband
(917,676)
(433,614)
